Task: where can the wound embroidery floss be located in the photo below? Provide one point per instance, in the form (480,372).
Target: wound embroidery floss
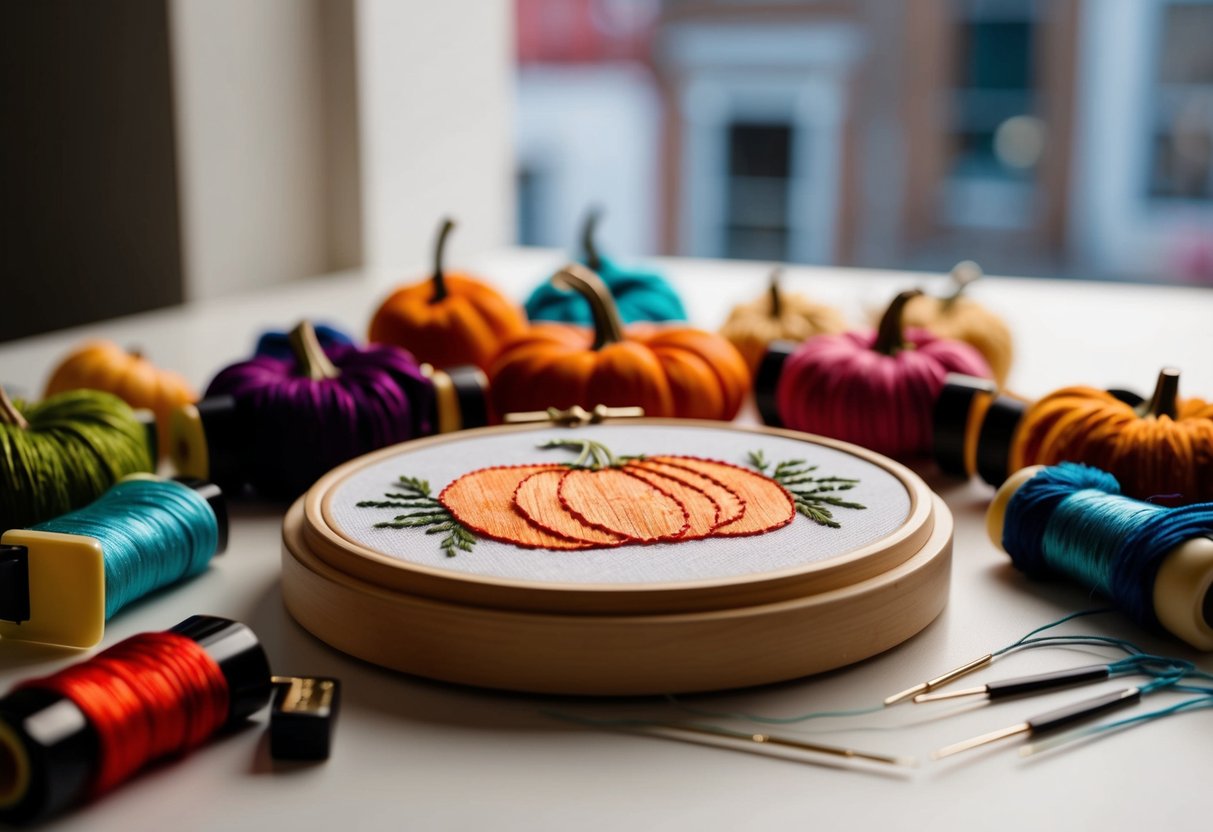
(62,453)
(151,696)
(64,578)
(1154,563)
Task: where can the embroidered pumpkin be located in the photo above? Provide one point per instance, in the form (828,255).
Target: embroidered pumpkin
(639,295)
(103,365)
(667,370)
(778,317)
(1162,451)
(964,319)
(874,389)
(449,319)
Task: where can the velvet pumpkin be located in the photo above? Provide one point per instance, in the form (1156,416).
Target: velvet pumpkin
(776,316)
(448,319)
(876,389)
(959,317)
(103,365)
(639,295)
(667,370)
(1161,451)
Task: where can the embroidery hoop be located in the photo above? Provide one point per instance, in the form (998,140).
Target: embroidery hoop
(581,637)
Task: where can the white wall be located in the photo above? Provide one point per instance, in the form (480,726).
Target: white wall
(435,96)
(251,163)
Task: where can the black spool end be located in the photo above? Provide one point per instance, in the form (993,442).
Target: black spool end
(221,425)
(472,393)
(239,654)
(302,717)
(953,410)
(996,437)
(147,419)
(213,495)
(49,753)
(766,380)
(14,584)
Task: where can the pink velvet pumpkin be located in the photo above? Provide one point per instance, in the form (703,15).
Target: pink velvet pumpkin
(876,389)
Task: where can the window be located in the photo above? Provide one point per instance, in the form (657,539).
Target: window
(1181,147)
(756,216)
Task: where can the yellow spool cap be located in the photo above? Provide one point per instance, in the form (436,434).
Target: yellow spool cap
(66,589)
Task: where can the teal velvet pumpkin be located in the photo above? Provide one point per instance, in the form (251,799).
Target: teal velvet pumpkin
(639,295)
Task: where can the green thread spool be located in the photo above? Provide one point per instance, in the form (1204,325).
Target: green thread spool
(65,452)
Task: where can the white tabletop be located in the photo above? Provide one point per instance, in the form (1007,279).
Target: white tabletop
(409,753)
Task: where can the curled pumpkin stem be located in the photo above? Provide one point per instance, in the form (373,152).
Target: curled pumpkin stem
(310,356)
(592,455)
(890,339)
(9,414)
(444,231)
(963,273)
(588,228)
(608,326)
(1165,401)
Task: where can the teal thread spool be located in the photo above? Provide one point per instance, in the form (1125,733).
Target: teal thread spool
(64,452)
(1155,563)
(65,577)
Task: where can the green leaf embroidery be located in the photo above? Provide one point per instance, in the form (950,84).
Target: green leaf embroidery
(425,512)
(810,493)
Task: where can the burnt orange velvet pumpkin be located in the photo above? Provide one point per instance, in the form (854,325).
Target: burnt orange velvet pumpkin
(668,370)
(1161,451)
(103,365)
(448,319)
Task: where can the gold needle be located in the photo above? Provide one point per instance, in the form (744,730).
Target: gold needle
(672,729)
(939,681)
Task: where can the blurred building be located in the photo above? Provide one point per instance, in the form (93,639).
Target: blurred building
(1047,137)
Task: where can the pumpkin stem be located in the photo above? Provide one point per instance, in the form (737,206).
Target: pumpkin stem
(889,336)
(588,228)
(310,356)
(1166,392)
(963,273)
(135,352)
(439,249)
(9,414)
(776,295)
(608,327)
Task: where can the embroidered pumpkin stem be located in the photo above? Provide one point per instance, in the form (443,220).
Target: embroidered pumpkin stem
(775,294)
(592,455)
(424,510)
(963,273)
(810,493)
(890,339)
(608,327)
(9,414)
(588,227)
(310,356)
(439,248)
(1166,393)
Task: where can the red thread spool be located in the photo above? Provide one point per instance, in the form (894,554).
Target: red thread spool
(88,728)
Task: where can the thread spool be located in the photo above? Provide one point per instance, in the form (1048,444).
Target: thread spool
(1154,448)
(63,579)
(85,730)
(1155,563)
(259,415)
(62,453)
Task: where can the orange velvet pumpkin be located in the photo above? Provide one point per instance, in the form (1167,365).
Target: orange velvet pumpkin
(449,319)
(1162,451)
(668,370)
(103,365)
(777,316)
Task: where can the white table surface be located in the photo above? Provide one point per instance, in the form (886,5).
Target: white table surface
(409,753)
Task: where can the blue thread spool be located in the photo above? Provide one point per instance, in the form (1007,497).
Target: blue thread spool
(61,580)
(1154,563)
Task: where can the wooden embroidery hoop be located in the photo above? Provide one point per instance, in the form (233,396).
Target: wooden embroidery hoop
(546,637)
